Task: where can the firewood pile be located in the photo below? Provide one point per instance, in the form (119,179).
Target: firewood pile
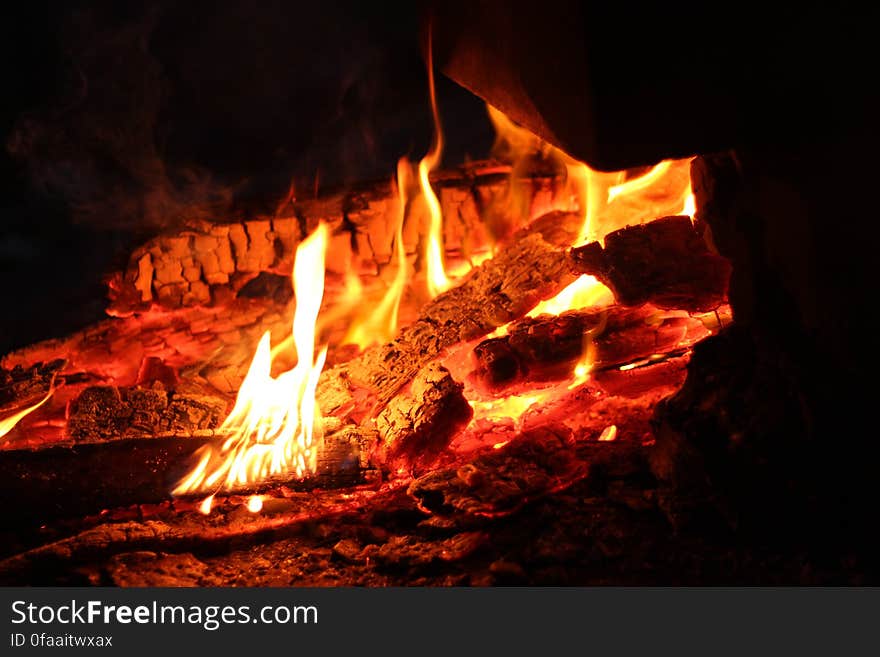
(422,461)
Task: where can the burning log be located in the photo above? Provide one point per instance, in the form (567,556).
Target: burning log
(493,294)
(102,412)
(547,347)
(208,264)
(21,387)
(416,426)
(667,262)
(499,482)
(85,478)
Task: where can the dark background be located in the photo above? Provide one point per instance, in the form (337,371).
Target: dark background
(123,119)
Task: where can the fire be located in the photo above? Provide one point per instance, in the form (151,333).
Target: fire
(585,292)
(381,324)
(255,503)
(641,183)
(434,261)
(689,205)
(206,505)
(8,423)
(607,201)
(271,429)
(512,406)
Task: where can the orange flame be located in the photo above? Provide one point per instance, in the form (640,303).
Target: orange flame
(434,261)
(593,192)
(512,406)
(8,423)
(381,324)
(689,204)
(255,503)
(272,425)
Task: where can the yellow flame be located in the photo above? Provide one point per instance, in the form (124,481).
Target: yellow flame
(689,205)
(206,505)
(434,261)
(609,433)
(640,184)
(8,423)
(510,407)
(255,503)
(380,325)
(585,292)
(271,428)
(593,192)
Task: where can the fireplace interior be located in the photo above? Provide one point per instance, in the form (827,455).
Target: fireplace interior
(470,294)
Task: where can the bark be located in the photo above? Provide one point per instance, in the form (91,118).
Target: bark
(419,424)
(493,294)
(667,262)
(549,347)
(102,412)
(21,387)
(209,263)
(82,479)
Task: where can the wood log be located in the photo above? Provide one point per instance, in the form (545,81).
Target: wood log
(102,412)
(667,262)
(495,293)
(208,263)
(548,347)
(419,424)
(22,387)
(80,479)
(537,462)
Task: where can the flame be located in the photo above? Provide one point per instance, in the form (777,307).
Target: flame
(640,184)
(585,292)
(255,503)
(434,262)
(607,201)
(8,423)
(510,407)
(381,324)
(592,190)
(271,428)
(689,204)
(609,433)
(206,505)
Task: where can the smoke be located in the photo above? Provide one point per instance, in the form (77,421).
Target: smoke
(95,144)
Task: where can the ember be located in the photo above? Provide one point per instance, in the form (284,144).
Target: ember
(397,378)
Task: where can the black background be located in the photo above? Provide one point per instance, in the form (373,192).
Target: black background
(120,119)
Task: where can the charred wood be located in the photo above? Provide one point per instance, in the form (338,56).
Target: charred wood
(493,294)
(667,262)
(85,478)
(417,425)
(102,412)
(548,347)
(209,263)
(21,387)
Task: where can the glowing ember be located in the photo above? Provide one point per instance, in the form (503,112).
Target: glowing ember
(500,445)
(588,356)
(255,503)
(272,426)
(434,261)
(206,505)
(689,207)
(510,407)
(585,292)
(8,423)
(608,434)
